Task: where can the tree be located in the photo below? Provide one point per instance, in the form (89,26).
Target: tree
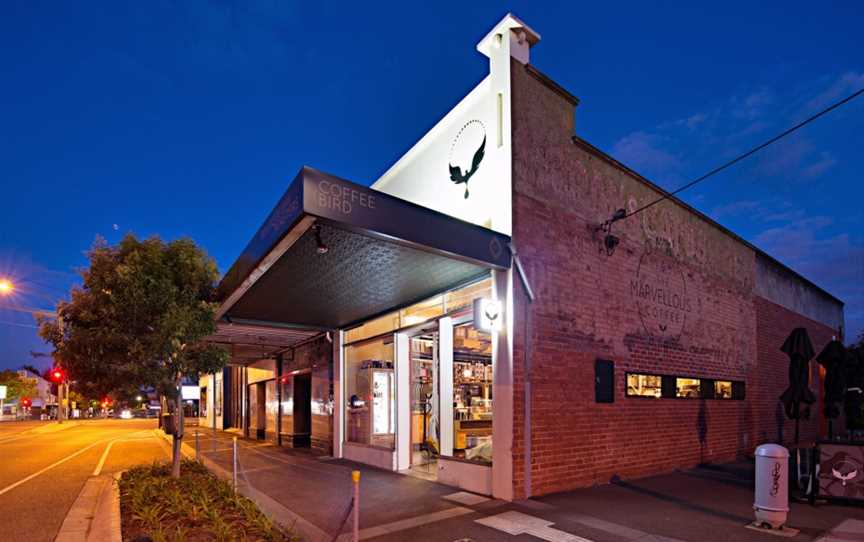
(138,320)
(16,387)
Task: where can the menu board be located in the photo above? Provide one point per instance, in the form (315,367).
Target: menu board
(382,398)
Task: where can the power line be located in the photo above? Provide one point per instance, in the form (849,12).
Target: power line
(734,161)
(4,322)
(34,312)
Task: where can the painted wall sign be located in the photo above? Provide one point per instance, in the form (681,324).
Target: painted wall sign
(465,142)
(462,166)
(659,291)
(841,471)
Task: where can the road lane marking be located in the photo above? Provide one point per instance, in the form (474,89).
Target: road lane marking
(35,431)
(102,459)
(98,470)
(49,467)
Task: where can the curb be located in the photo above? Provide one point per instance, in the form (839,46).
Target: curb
(95,514)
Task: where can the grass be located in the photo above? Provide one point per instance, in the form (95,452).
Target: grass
(196,507)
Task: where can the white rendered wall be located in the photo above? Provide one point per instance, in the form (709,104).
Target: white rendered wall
(502,390)
(403,401)
(445,368)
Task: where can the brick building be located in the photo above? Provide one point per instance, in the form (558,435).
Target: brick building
(464,319)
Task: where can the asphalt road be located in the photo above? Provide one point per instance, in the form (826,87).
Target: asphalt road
(9,427)
(42,469)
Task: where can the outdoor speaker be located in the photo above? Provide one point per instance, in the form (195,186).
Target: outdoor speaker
(604,381)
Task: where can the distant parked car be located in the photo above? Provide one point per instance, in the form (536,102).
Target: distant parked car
(125,414)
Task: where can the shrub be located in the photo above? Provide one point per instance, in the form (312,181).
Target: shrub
(197,506)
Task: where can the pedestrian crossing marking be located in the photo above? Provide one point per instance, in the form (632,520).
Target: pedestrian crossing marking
(516,523)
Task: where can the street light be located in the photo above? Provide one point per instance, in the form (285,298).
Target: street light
(6,287)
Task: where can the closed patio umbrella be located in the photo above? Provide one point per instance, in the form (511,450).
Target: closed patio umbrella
(854,374)
(833,359)
(800,351)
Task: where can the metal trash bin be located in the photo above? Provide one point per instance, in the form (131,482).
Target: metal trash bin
(771,502)
(168,424)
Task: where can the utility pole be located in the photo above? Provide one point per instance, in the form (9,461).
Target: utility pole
(61,396)
(61,399)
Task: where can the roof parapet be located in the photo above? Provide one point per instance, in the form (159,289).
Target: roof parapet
(522,38)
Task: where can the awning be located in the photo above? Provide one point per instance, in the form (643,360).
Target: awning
(248,343)
(333,253)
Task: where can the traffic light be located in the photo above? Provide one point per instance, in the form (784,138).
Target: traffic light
(57,375)
(26,401)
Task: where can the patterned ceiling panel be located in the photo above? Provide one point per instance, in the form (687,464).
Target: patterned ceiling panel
(358,277)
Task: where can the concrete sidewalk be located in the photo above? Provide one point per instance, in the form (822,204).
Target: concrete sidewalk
(314,494)
(317,490)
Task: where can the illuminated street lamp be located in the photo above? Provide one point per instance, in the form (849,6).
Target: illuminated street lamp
(6,287)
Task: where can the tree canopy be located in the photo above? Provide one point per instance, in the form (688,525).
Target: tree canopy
(138,317)
(16,387)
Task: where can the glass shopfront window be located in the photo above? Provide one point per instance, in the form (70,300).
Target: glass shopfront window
(640,385)
(722,389)
(472,394)
(422,312)
(370,406)
(372,328)
(682,387)
(688,387)
(463,298)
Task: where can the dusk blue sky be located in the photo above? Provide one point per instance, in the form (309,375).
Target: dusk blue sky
(191,118)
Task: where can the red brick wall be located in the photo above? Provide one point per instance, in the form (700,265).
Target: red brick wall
(773,324)
(592,305)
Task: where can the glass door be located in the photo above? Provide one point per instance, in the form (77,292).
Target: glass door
(425,403)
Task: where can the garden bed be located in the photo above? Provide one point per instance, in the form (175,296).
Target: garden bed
(196,507)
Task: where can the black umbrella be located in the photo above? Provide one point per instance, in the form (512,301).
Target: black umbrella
(833,358)
(800,351)
(854,375)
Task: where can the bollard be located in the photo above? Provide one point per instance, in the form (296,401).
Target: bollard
(234,477)
(197,448)
(355,477)
(771,502)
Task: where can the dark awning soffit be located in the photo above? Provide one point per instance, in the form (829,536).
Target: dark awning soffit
(383,253)
(248,343)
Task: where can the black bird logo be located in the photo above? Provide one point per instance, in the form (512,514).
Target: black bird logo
(456,174)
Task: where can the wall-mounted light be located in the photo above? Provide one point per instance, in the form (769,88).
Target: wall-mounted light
(321,247)
(610,241)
